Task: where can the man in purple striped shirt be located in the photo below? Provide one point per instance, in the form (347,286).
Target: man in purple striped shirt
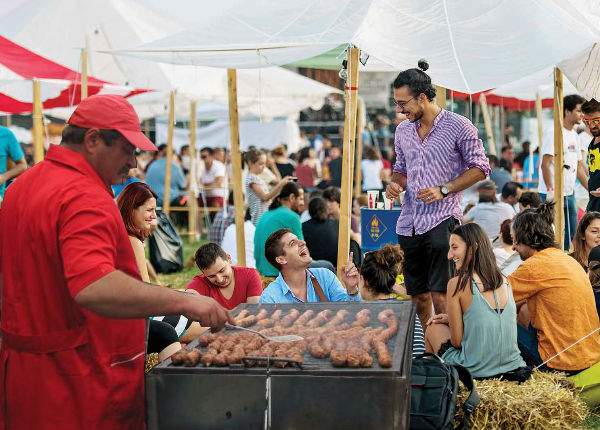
(438,155)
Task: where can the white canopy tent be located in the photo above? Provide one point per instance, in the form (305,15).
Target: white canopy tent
(69,25)
(471,45)
(528,88)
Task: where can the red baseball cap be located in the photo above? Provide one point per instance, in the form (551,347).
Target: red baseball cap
(111,112)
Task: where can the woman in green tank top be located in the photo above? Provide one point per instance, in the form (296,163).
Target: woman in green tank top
(479,331)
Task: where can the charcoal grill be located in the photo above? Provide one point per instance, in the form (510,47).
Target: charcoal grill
(314,396)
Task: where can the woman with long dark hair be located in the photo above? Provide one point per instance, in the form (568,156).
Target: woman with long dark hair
(587,236)
(479,331)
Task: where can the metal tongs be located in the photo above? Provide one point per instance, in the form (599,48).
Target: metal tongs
(284,338)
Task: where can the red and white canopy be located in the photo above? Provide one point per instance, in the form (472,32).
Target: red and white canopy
(59,85)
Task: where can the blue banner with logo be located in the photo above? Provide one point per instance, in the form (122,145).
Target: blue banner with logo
(378,227)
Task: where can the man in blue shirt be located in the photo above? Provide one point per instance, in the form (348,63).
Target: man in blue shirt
(297,283)
(155,178)
(10,148)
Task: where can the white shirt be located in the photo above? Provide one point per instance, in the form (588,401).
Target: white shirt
(489,216)
(371,171)
(571,156)
(229,243)
(217,169)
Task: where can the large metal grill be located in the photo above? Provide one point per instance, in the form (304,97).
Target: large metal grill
(316,395)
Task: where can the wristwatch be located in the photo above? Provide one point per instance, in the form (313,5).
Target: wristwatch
(444,190)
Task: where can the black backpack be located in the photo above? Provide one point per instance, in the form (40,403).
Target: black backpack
(434,390)
(166,247)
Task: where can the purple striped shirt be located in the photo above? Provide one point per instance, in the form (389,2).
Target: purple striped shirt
(451,147)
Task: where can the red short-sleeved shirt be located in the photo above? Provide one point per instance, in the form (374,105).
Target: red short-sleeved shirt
(61,230)
(247,284)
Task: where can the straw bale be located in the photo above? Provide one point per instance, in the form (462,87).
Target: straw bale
(546,401)
(151,361)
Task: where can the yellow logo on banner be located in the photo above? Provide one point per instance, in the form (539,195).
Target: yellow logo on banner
(376,228)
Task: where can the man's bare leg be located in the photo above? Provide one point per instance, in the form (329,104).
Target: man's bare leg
(439,302)
(424,307)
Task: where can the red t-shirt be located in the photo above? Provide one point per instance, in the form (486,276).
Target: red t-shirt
(247,284)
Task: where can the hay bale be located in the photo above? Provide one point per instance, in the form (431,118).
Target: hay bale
(546,401)
(151,361)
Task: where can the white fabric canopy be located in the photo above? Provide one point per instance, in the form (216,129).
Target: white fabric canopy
(58,29)
(471,45)
(266,135)
(529,87)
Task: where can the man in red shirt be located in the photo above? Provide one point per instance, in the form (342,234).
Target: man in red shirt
(229,285)
(73,305)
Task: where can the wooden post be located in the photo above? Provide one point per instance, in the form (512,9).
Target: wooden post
(440,96)
(167,191)
(38,124)
(236,164)
(360,125)
(349,139)
(146,126)
(8,120)
(84,72)
(193,202)
(540,135)
(559,220)
(487,121)
(502,125)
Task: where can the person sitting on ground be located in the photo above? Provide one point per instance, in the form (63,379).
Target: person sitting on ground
(511,193)
(529,200)
(497,174)
(306,169)
(594,274)
(378,274)
(480,330)
(587,236)
(489,212)
(223,219)
(137,204)
(296,283)
(333,197)
(558,322)
(259,198)
(228,285)
(507,259)
(229,242)
(285,166)
(320,232)
(283,213)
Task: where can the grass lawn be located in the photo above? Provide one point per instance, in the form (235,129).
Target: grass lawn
(180,279)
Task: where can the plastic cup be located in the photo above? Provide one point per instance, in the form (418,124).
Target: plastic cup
(372,196)
(387,203)
(379,205)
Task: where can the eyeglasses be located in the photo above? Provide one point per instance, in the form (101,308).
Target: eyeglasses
(592,122)
(204,157)
(402,104)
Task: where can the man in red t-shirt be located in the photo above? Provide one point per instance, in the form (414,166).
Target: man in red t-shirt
(228,285)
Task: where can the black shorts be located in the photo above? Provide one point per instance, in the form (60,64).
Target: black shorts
(426,265)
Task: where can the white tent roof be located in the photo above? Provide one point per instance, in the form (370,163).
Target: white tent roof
(471,45)
(529,87)
(58,29)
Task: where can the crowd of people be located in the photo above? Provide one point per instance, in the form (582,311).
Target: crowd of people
(476,250)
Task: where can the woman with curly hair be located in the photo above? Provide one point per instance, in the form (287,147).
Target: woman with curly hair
(378,274)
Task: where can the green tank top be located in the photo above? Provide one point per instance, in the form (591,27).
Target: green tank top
(489,343)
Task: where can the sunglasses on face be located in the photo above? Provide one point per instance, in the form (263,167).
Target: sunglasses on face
(592,122)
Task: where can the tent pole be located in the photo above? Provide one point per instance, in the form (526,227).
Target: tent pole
(540,133)
(559,220)
(348,148)
(487,121)
(360,124)
(146,126)
(8,120)
(167,191)
(38,124)
(84,72)
(440,96)
(193,202)
(236,164)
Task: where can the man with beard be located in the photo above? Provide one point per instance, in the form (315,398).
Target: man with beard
(283,213)
(296,283)
(438,155)
(591,118)
(558,322)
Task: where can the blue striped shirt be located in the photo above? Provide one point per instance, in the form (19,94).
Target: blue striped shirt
(451,147)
